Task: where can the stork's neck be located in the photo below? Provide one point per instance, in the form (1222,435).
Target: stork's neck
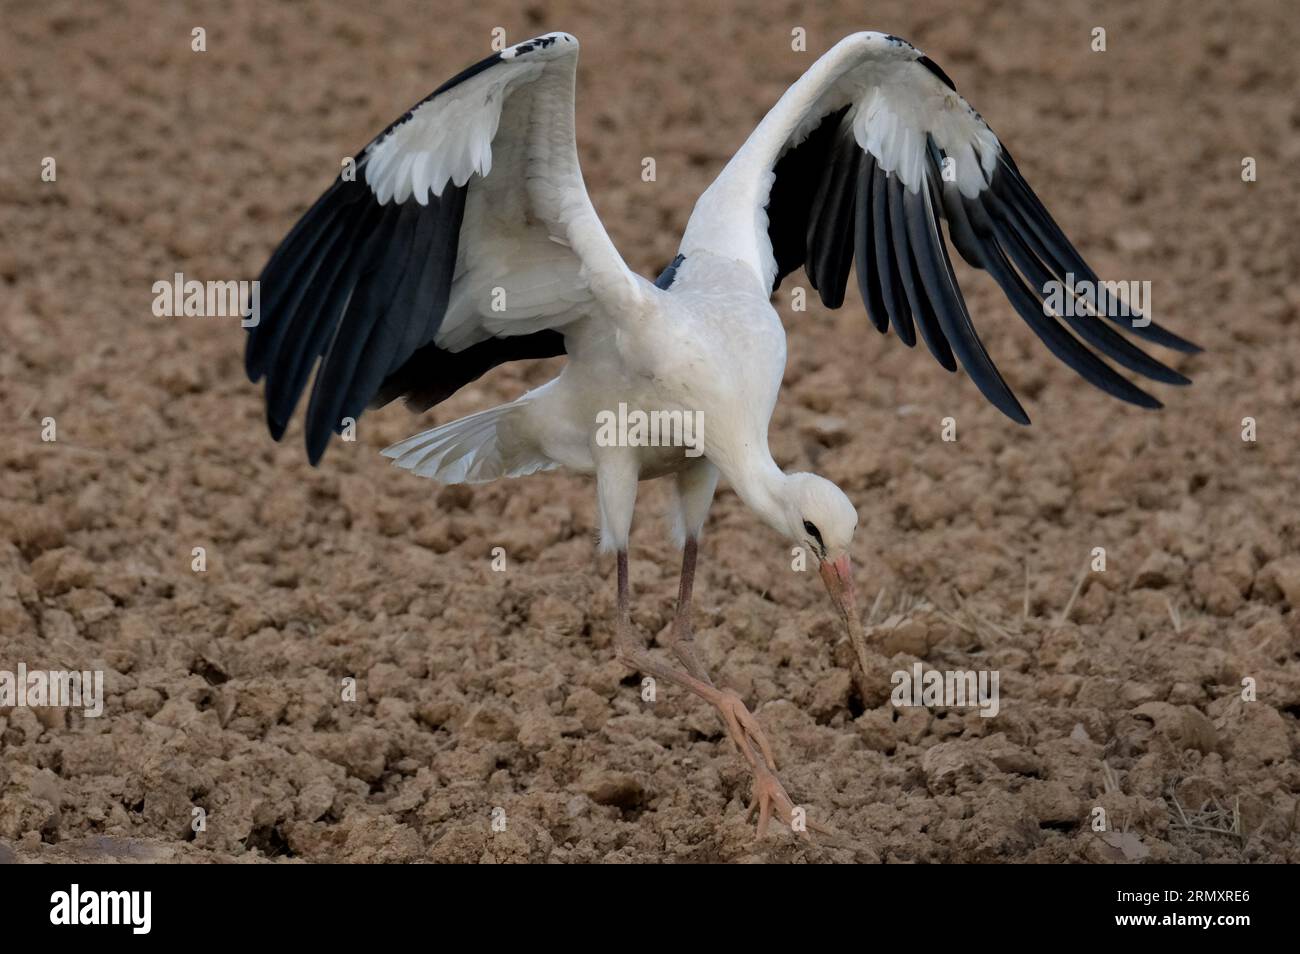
(760,483)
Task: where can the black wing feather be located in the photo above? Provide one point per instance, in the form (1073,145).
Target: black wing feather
(312,327)
(1030,308)
(865,248)
(830,223)
(798,176)
(913,281)
(375,320)
(432,375)
(891,282)
(1102,337)
(285,281)
(367,305)
(950,307)
(1040,230)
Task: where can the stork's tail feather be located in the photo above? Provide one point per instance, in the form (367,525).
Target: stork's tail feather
(472,450)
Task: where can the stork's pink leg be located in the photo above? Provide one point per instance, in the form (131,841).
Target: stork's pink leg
(742,727)
(683,637)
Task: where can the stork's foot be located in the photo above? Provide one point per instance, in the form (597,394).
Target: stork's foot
(770,797)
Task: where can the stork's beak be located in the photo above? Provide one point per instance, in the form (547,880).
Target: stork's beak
(838,577)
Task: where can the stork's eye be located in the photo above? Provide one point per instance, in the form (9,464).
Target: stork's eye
(814,533)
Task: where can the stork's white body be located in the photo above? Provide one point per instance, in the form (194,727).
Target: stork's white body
(706,345)
(711,345)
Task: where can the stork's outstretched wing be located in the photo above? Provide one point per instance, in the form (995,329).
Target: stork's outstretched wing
(464,239)
(859,162)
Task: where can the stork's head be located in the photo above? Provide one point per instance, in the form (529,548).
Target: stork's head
(819,516)
(821,519)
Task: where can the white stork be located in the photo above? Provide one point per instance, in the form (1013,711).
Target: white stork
(467,239)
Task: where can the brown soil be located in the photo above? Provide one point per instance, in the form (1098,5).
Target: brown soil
(479,689)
